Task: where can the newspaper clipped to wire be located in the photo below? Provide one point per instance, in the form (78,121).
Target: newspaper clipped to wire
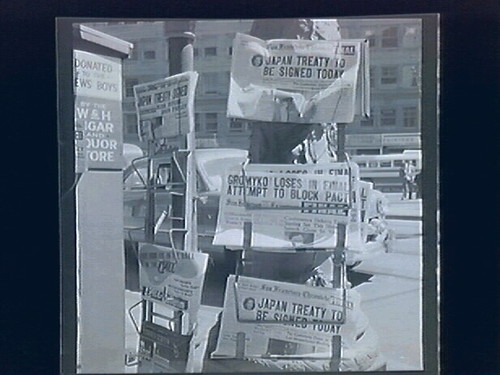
(299,81)
(286,319)
(172,278)
(288,206)
(165,108)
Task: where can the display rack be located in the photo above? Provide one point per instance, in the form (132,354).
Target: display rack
(165,347)
(339,281)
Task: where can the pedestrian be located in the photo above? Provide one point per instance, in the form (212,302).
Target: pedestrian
(418,184)
(402,176)
(408,175)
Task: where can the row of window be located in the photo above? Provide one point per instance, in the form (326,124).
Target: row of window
(389,117)
(390,37)
(204,122)
(387,75)
(144,55)
(394,75)
(209,123)
(212,51)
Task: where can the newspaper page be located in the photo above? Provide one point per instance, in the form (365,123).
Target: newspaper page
(163,106)
(172,278)
(297,81)
(287,319)
(284,213)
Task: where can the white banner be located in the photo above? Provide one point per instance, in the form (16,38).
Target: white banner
(172,278)
(314,315)
(98,112)
(299,81)
(288,212)
(165,108)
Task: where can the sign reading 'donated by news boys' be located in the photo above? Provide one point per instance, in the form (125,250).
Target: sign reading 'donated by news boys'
(165,107)
(309,317)
(98,112)
(172,278)
(288,206)
(299,81)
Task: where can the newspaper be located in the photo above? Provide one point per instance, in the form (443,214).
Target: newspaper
(299,81)
(165,107)
(172,278)
(280,318)
(284,212)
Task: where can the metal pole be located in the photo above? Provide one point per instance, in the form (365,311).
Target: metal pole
(149,225)
(339,270)
(191,239)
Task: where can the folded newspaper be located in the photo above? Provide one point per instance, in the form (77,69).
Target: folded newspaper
(300,81)
(289,325)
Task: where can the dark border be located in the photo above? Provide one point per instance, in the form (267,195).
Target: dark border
(67,191)
(469,134)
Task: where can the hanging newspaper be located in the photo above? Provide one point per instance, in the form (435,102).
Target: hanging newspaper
(288,206)
(165,107)
(299,81)
(287,319)
(173,278)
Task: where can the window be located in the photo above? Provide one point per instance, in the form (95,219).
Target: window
(197,126)
(195,52)
(390,37)
(389,75)
(372,76)
(210,51)
(230,50)
(211,122)
(129,86)
(236,126)
(387,117)
(131,124)
(385,164)
(410,117)
(210,83)
(366,121)
(150,55)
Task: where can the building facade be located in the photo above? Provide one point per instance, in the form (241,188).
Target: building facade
(395,79)
(395,86)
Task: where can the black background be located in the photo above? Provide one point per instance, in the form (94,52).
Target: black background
(469,190)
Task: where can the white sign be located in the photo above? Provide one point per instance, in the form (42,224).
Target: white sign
(165,107)
(299,81)
(172,278)
(287,212)
(300,319)
(97,76)
(98,112)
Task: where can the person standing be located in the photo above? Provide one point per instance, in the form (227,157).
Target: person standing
(273,142)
